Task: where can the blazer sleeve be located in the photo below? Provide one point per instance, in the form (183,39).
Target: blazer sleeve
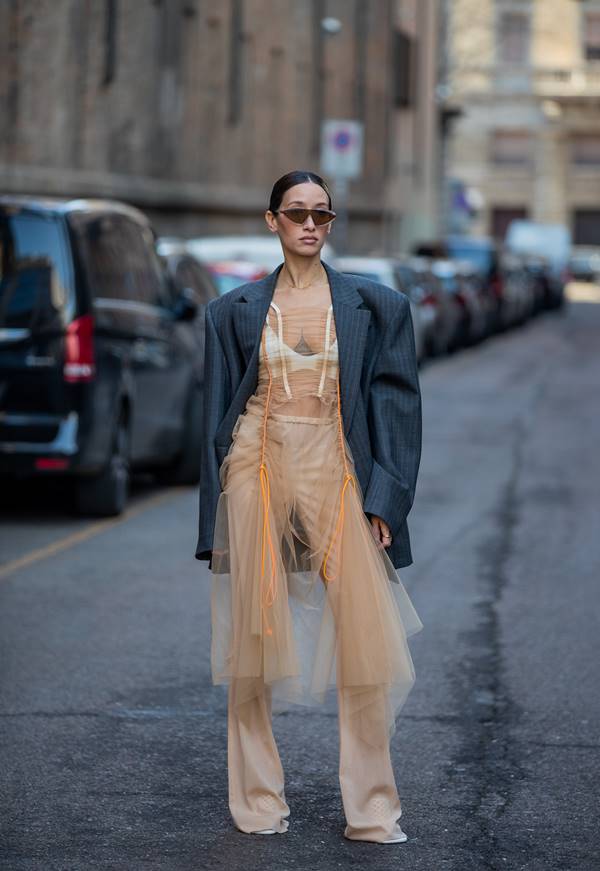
(395,423)
(216,400)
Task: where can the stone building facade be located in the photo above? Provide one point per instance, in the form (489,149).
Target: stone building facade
(192,108)
(526,75)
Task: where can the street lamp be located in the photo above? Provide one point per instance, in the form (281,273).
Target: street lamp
(331,26)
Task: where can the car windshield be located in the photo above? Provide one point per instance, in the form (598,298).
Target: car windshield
(481,258)
(33,271)
(226,282)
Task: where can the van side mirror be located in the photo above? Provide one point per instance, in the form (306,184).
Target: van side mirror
(186,306)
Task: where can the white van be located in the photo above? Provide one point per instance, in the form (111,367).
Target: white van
(551,241)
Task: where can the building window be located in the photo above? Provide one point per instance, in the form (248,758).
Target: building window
(110,41)
(235,63)
(403,73)
(502,217)
(585,149)
(586,227)
(511,148)
(591,35)
(513,37)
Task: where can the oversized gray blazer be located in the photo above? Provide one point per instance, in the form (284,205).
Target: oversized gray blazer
(379,388)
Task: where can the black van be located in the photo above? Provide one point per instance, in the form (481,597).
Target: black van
(101,357)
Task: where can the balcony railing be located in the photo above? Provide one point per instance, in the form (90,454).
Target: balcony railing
(552,82)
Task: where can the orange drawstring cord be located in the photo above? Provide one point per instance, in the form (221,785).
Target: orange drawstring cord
(271,593)
(348,478)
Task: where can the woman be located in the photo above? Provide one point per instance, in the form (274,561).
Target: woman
(312,441)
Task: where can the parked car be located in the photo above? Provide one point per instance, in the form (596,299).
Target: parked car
(224,274)
(229,274)
(385,271)
(481,304)
(100,372)
(263,250)
(190,278)
(538,276)
(518,295)
(551,241)
(483,254)
(439,314)
(448,274)
(584,263)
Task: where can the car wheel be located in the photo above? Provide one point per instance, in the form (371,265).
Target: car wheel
(106,494)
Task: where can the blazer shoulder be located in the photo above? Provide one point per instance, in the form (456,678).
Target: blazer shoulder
(221,304)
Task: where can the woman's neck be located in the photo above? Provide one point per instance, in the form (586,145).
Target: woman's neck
(302,273)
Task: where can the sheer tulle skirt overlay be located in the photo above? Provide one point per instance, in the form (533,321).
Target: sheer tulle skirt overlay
(303,598)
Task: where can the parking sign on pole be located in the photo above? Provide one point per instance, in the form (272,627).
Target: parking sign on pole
(341,160)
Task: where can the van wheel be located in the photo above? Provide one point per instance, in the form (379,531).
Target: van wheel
(186,468)
(106,494)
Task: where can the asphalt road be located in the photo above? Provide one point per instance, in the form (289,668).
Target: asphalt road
(113,740)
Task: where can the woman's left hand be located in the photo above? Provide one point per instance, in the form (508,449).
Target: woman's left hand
(381,531)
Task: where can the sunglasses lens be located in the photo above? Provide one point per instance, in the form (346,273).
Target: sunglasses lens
(298,216)
(320,216)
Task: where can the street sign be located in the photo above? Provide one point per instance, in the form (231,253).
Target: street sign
(342,148)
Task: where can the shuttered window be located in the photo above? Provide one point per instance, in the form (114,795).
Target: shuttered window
(511,147)
(585,150)
(591,36)
(513,37)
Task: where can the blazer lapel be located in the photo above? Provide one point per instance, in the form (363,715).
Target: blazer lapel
(351,325)
(249,314)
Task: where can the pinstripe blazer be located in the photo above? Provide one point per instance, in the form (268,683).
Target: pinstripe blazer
(379,388)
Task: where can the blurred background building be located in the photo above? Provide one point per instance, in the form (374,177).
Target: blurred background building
(192,109)
(435,123)
(525,74)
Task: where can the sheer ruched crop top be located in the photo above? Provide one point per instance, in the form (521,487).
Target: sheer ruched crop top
(299,347)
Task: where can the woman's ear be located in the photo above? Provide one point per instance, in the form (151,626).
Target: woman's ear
(270,220)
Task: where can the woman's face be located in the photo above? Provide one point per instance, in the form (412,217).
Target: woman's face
(304,239)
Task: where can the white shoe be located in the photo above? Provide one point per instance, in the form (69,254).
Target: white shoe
(396,839)
(265,832)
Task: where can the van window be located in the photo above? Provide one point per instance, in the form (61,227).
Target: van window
(190,274)
(34,271)
(119,259)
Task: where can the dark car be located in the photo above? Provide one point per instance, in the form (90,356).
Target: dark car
(539,273)
(191,279)
(438,313)
(100,370)
(505,293)
(484,254)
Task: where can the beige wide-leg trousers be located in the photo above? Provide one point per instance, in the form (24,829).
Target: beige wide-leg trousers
(256,779)
(300,458)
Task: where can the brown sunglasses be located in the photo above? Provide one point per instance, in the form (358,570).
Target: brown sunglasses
(299,216)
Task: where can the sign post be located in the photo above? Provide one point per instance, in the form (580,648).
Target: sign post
(341,160)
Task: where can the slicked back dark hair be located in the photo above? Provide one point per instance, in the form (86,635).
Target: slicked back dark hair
(287,181)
